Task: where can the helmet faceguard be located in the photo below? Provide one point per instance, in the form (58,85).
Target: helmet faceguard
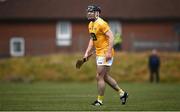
(93,12)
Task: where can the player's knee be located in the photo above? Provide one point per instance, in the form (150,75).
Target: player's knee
(97,77)
(105,78)
(100,76)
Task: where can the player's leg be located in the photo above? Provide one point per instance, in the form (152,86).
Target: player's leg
(111,82)
(157,76)
(101,72)
(151,76)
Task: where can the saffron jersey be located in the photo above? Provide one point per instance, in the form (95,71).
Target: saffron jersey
(97,30)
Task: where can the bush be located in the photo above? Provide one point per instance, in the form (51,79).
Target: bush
(61,67)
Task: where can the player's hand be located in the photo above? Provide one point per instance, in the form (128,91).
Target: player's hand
(108,56)
(85,56)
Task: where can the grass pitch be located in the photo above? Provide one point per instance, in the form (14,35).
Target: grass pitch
(79,96)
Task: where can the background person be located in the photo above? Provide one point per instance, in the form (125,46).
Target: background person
(154,65)
(117,41)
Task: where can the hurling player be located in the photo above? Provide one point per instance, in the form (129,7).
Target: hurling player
(101,37)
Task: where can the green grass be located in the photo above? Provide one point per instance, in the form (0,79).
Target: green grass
(79,96)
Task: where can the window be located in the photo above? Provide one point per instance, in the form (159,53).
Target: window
(17,46)
(115,27)
(63,34)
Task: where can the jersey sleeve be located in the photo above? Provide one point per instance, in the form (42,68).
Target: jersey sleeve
(105,27)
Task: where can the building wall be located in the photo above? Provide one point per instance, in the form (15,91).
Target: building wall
(80,36)
(40,37)
(145,36)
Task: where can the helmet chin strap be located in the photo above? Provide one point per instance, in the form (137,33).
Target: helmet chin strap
(96,15)
(93,19)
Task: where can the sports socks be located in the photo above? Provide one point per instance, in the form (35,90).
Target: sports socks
(121,92)
(100,98)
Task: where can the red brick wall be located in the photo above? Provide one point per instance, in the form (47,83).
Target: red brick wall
(40,38)
(80,36)
(147,31)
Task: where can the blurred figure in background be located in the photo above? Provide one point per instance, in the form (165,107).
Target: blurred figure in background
(154,65)
(117,41)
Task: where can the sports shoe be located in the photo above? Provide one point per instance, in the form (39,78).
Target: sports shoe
(97,103)
(124,98)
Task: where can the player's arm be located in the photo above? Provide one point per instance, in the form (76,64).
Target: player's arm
(110,37)
(90,46)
